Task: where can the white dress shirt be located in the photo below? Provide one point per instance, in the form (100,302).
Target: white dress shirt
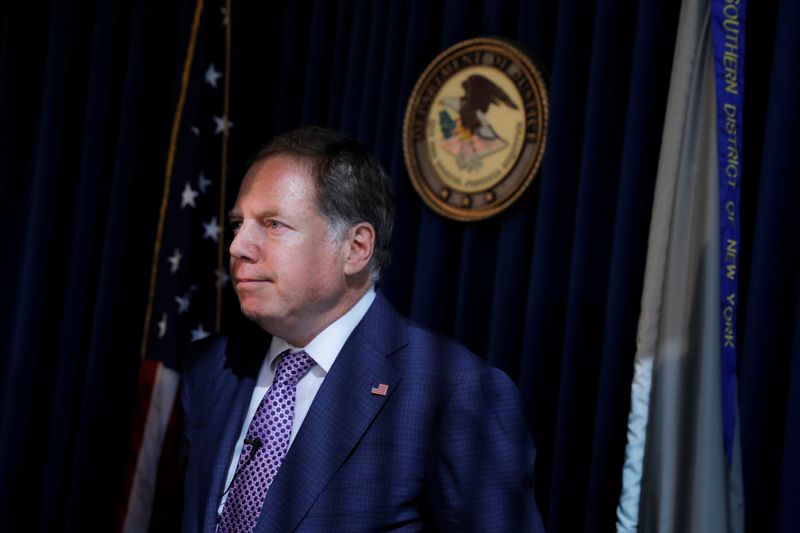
(323,349)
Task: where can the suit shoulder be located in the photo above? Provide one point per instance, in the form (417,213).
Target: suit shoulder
(430,357)
(447,356)
(204,354)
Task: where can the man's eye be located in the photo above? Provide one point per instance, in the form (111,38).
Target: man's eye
(274,224)
(235,225)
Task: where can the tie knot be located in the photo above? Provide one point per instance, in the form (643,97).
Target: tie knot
(292,367)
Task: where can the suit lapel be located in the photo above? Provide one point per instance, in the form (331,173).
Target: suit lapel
(230,401)
(341,412)
(231,405)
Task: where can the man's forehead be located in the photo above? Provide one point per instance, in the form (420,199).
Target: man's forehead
(272,183)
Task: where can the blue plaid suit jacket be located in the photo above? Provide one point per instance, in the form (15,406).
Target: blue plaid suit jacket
(446,449)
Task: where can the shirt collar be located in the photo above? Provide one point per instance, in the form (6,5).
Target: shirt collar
(324,348)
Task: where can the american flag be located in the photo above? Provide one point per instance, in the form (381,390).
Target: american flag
(189,279)
(381,389)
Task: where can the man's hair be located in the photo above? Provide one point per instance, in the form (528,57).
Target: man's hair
(351,184)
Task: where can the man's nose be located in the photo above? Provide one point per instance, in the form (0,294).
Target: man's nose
(245,243)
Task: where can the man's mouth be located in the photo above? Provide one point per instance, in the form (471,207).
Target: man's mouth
(250,281)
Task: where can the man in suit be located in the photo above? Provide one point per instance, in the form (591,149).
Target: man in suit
(339,414)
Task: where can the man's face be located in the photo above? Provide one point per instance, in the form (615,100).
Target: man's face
(287,267)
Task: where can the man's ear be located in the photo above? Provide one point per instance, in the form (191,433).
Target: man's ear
(361,243)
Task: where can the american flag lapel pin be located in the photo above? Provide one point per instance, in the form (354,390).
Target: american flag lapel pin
(380,389)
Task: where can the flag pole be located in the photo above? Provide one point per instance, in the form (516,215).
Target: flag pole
(224,164)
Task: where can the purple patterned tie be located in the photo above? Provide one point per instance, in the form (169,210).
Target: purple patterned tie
(265,446)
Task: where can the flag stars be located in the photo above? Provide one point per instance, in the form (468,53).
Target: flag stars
(196,131)
(222,277)
(202,182)
(224,12)
(199,333)
(211,230)
(188,196)
(221,124)
(162,326)
(212,75)
(183,301)
(174,261)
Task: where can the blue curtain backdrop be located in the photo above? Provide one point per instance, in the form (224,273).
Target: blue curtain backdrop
(547,291)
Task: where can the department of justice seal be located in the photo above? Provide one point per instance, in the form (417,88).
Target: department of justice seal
(475,128)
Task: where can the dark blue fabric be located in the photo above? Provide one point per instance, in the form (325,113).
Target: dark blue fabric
(98,86)
(788,510)
(548,291)
(767,379)
(643,122)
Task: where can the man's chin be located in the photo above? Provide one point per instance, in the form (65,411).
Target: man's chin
(259,315)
